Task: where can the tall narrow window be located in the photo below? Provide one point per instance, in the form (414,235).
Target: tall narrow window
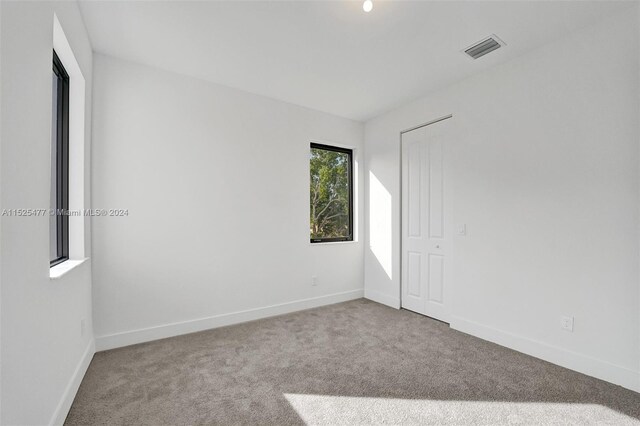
(59,204)
(331,194)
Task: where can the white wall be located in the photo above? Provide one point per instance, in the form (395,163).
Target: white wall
(43,350)
(0,210)
(216,182)
(545,154)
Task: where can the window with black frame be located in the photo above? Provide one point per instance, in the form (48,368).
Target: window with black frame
(331,194)
(59,204)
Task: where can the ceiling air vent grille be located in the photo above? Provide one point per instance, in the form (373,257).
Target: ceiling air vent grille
(485,46)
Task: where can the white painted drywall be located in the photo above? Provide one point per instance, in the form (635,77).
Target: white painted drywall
(216,182)
(545,155)
(0,210)
(43,351)
(305,50)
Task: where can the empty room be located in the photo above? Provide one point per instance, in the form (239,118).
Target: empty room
(347,212)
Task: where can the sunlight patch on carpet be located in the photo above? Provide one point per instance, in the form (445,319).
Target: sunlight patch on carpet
(329,409)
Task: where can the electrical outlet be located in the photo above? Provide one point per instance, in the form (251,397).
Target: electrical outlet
(82,328)
(566,323)
(314,280)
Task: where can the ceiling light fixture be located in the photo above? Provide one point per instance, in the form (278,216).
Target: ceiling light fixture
(367,6)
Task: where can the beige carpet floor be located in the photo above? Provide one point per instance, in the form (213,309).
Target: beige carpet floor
(351,363)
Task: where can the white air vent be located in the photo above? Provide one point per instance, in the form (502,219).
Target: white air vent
(484,46)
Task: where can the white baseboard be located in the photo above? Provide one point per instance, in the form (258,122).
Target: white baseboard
(572,360)
(379,297)
(133,337)
(69,394)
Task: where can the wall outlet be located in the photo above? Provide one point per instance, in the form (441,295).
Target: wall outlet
(82,328)
(314,280)
(566,323)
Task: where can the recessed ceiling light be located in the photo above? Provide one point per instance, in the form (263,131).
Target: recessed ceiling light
(367,6)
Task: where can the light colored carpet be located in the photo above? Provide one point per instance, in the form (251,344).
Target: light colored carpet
(352,363)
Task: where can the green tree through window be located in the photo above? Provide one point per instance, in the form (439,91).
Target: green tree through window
(330,194)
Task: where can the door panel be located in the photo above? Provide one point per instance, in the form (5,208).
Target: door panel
(414,179)
(436,278)
(426,221)
(414,272)
(436,190)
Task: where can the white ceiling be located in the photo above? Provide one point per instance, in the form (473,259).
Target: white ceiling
(330,55)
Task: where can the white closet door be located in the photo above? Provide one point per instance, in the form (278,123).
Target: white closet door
(426,221)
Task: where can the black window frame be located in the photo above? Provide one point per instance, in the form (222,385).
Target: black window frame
(349,152)
(62,162)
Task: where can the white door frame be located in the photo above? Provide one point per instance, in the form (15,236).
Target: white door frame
(437,120)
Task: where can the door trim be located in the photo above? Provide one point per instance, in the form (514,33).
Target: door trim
(428,123)
(423,125)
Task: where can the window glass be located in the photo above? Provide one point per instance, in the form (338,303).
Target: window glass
(53,234)
(331,194)
(59,189)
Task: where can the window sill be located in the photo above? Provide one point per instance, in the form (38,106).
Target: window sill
(62,269)
(332,243)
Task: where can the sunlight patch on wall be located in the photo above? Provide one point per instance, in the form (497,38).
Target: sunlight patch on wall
(329,409)
(380,225)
